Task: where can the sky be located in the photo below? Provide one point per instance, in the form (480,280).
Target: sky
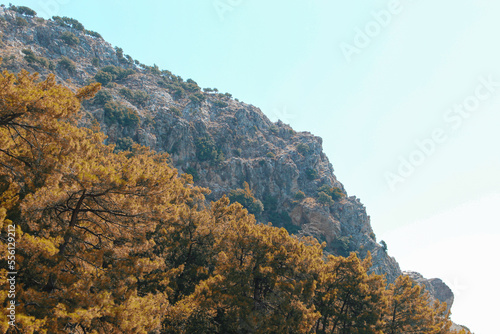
(405,94)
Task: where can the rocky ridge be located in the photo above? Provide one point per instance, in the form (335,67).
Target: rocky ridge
(222,142)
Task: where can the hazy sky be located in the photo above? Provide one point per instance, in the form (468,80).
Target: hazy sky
(405,94)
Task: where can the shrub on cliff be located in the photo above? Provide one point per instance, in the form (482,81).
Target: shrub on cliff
(303,148)
(69,38)
(23,10)
(31,58)
(311,174)
(104,77)
(206,150)
(21,22)
(102,97)
(111,73)
(246,198)
(124,144)
(219,104)
(335,193)
(137,97)
(67,64)
(116,113)
(93,33)
(325,199)
(68,22)
(197,98)
(299,195)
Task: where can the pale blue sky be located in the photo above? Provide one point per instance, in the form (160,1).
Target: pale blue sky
(420,61)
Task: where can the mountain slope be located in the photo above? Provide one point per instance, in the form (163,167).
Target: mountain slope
(222,142)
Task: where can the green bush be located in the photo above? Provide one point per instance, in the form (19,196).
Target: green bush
(197,98)
(271,155)
(93,33)
(70,38)
(246,198)
(23,10)
(342,245)
(21,22)
(111,73)
(68,22)
(155,70)
(220,104)
(104,77)
(46,63)
(278,217)
(119,53)
(191,86)
(302,148)
(126,93)
(206,150)
(116,113)
(102,97)
(118,72)
(325,199)
(177,92)
(175,111)
(177,87)
(95,62)
(334,192)
(193,172)
(283,219)
(311,174)
(124,144)
(270,203)
(299,195)
(137,97)
(384,245)
(125,59)
(31,58)
(67,64)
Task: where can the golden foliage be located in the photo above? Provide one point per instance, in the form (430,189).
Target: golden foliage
(120,243)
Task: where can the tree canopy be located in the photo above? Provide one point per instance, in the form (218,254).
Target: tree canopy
(114,241)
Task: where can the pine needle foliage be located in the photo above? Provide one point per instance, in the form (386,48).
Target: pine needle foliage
(111,241)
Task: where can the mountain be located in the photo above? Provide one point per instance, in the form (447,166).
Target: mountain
(280,175)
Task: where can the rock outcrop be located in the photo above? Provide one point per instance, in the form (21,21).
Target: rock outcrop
(436,287)
(222,142)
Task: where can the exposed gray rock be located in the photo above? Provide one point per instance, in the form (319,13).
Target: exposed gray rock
(436,287)
(277,162)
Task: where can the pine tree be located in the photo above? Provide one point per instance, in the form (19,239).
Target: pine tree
(118,242)
(83,214)
(349,300)
(410,311)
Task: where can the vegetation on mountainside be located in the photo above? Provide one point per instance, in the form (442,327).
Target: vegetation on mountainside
(246,198)
(112,73)
(207,150)
(111,241)
(31,58)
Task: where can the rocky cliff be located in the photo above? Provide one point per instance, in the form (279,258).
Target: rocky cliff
(225,144)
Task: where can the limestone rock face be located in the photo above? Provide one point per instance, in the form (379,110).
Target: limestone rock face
(220,141)
(436,287)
